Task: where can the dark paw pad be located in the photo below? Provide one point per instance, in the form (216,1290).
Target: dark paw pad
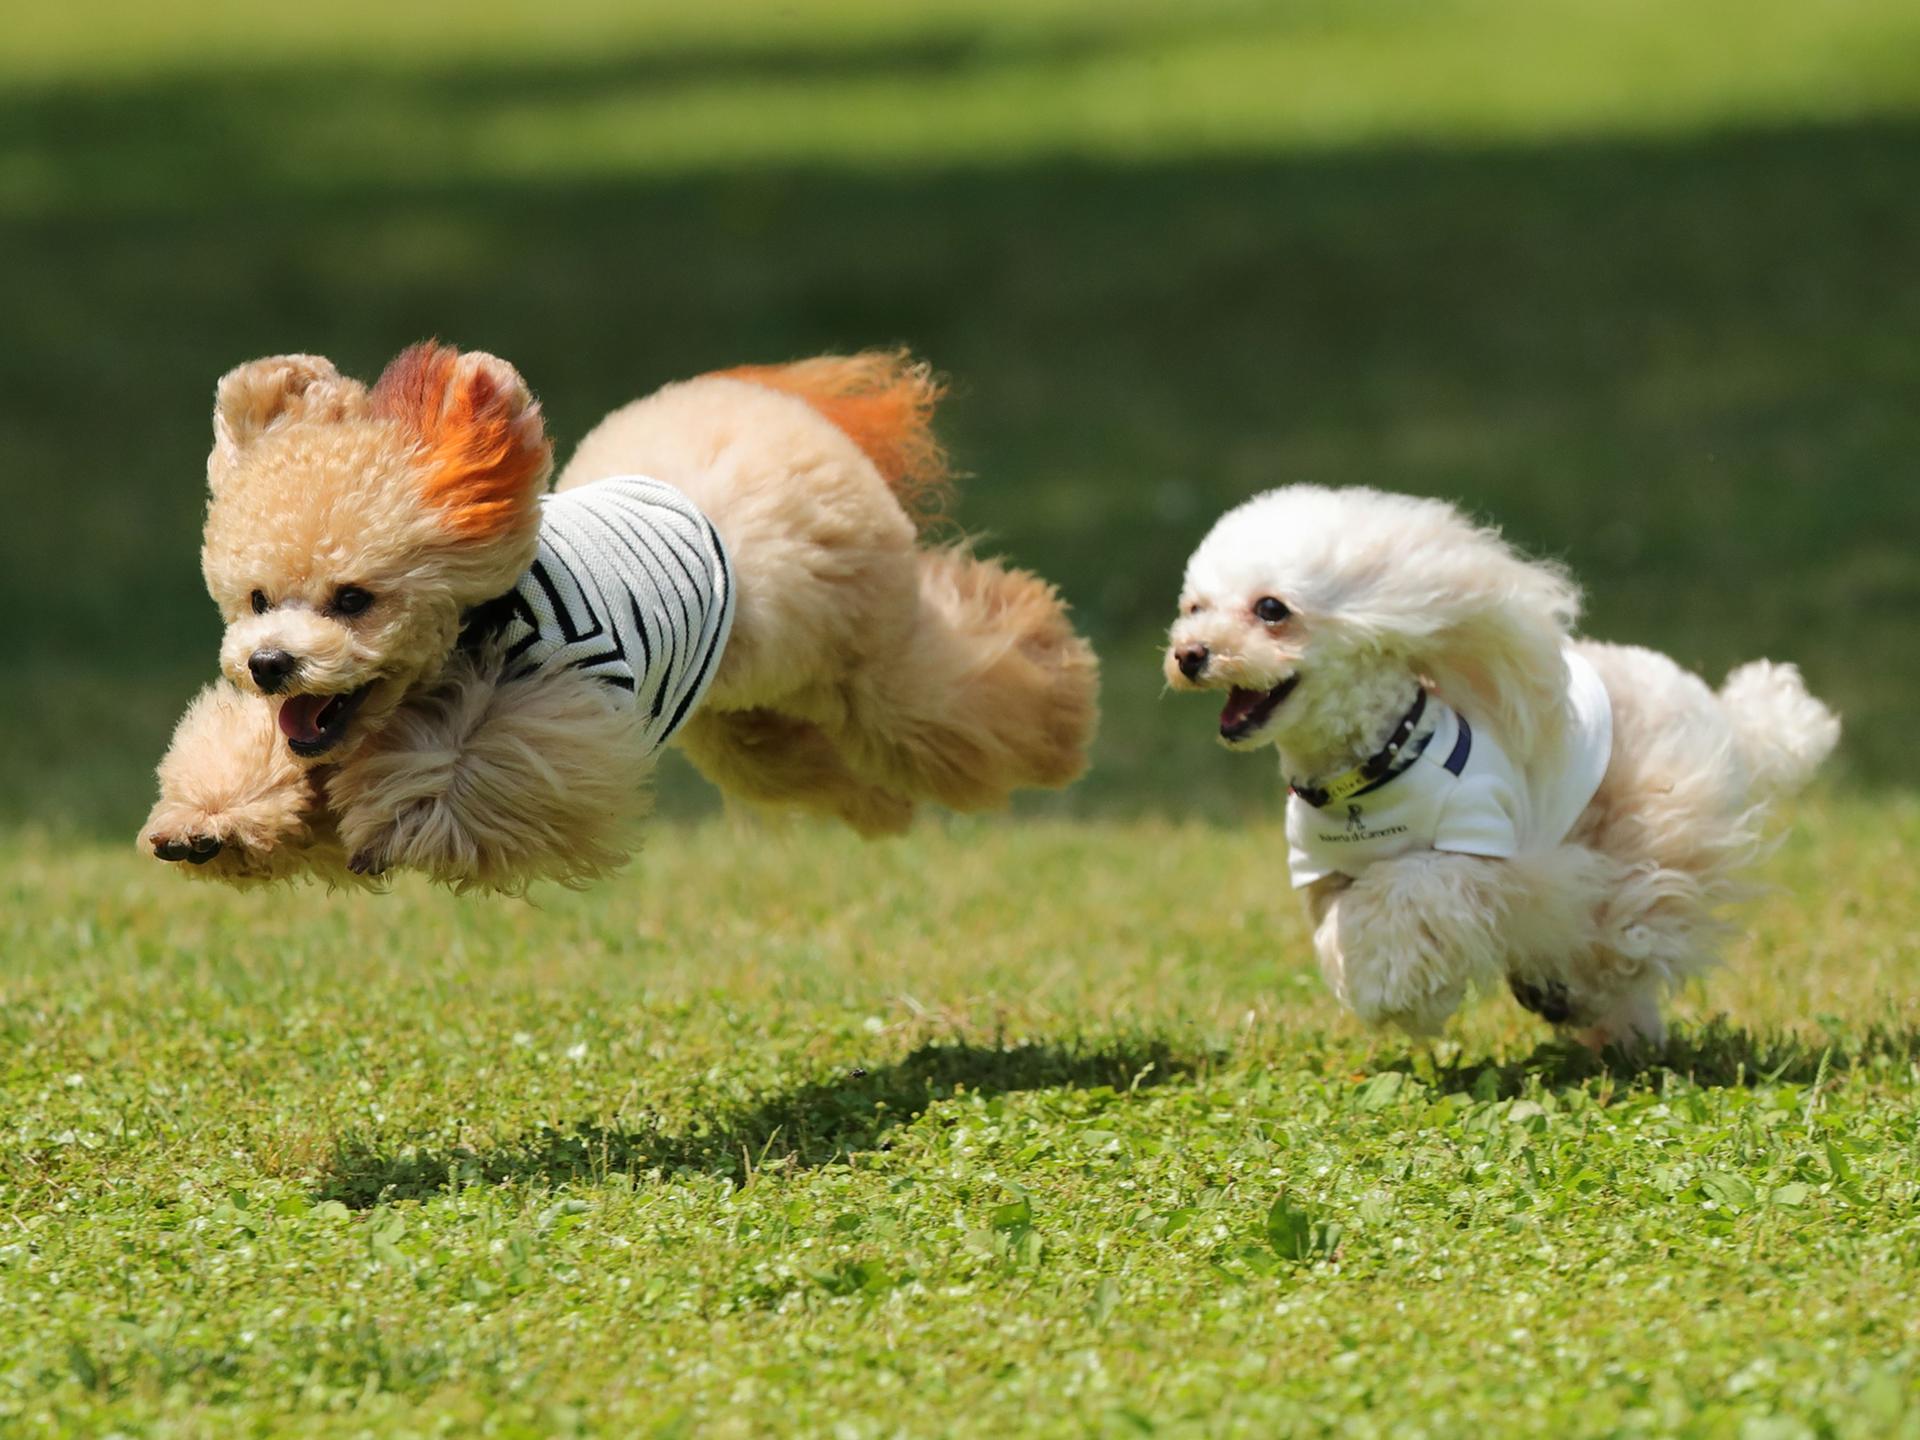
(1548,999)
(195,849)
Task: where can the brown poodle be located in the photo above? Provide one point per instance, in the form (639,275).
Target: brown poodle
(433,663)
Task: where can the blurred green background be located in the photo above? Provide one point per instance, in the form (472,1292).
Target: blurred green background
(1640,281)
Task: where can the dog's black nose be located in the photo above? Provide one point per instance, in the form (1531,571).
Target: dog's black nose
(271,668)
(1192,660)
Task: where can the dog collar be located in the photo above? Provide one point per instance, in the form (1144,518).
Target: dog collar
(485,621)
(1376,769)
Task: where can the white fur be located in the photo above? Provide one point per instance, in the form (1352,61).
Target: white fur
(1388,592)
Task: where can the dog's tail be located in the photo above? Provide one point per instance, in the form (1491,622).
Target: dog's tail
(1780,732)
(995,692)
(884,401)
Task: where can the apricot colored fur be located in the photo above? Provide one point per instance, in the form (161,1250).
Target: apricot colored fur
(883,400)
(864,673)
(485,457)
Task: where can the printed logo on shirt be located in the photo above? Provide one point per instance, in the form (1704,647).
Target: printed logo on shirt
(1356,831)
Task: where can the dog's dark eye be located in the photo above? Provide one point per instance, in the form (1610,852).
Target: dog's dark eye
(259,598)
(1270,610)
(350,600)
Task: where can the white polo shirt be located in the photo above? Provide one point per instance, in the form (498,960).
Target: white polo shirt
(1462,794)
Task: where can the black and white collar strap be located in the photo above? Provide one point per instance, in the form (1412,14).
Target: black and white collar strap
(1378,768)
(485,621)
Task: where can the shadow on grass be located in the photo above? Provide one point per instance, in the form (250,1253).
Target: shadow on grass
(1717,1054)
(816,1124)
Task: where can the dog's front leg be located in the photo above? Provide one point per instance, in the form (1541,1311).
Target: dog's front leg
(234,803)
(1401,944)
(489,785)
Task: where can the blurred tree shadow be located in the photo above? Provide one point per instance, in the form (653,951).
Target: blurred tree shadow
(1717,1054)
(1684,365)
(218,104)
(818,1123)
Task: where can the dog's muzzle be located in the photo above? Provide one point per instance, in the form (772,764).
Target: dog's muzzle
(271,669)
(1246,711)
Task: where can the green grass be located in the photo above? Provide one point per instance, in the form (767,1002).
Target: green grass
(1002,1130)
(600,89)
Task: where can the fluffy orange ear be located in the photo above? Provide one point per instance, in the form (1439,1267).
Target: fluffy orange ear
(488,457)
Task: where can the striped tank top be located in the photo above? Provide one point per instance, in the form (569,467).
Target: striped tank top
(631,586)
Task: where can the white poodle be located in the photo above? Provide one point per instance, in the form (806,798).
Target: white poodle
(1476,797)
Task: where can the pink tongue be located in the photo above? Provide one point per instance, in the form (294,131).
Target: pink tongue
(1239,705)
(300,716)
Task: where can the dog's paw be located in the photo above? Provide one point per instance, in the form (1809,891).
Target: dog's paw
(194,849)
(212,844)
(370,863)
(1415,1004)
(208,850)
(1549,999)
(376,845)
(1629,1022)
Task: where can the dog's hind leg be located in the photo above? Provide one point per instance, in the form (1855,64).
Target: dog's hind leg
(990,690)
(234,804)
(772,760)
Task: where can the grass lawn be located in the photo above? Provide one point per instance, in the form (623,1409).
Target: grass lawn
(1030,1127)
(1001,1130)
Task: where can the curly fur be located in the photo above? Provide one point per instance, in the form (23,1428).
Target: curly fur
(486,455)
(1386,592)
(864,674)
(235,801)
(925,673)
(483,785)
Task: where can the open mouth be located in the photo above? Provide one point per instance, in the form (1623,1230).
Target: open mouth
(314,724)
(1247,710)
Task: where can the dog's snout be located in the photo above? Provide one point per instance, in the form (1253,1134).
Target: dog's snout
(1192,659)
(270,668)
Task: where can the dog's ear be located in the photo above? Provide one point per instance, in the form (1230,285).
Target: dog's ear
(252,397)
(1496,640)
(488,457)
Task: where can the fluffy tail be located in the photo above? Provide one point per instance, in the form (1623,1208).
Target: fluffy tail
(1780,731)
(994,693)
(884,401)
